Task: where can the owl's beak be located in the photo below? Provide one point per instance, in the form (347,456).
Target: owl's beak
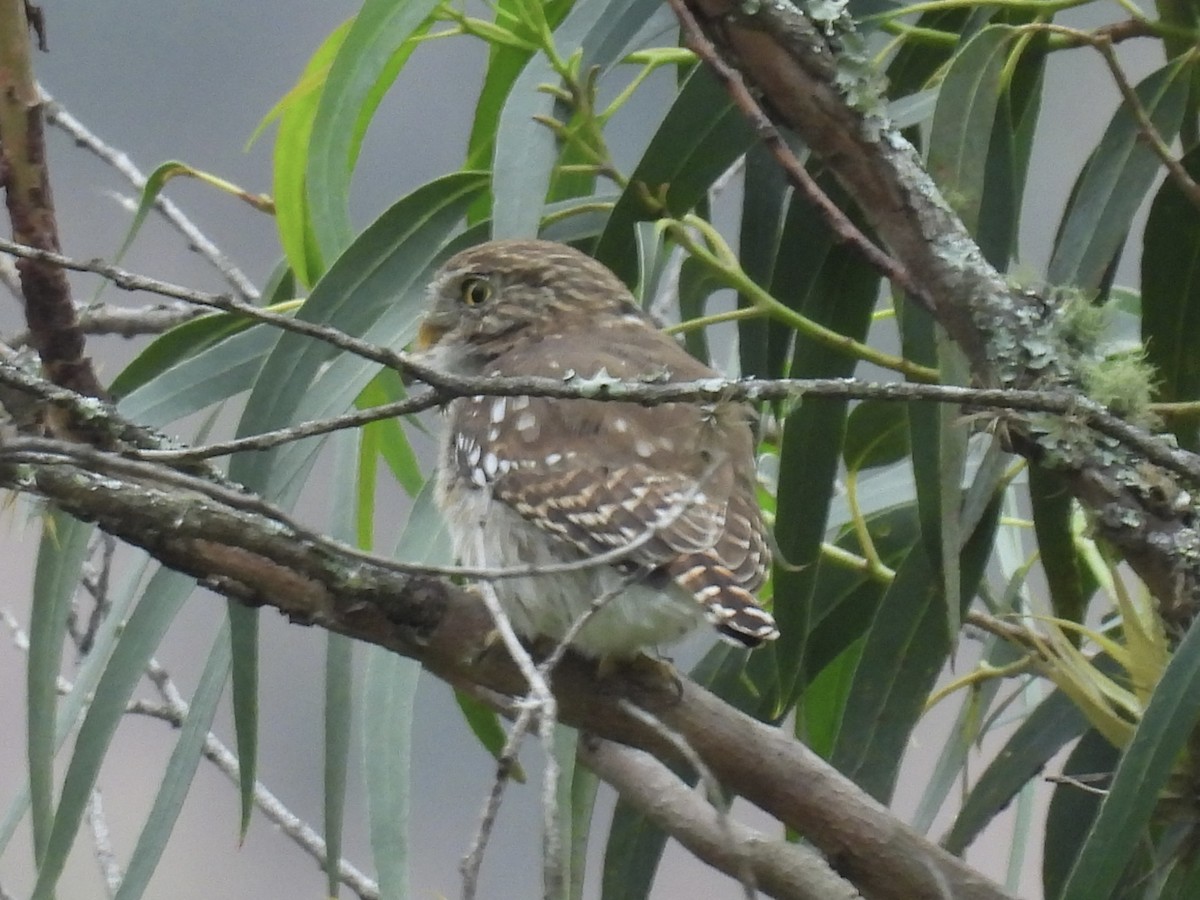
(429,334)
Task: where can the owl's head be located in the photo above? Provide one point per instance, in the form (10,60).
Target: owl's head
(497,295)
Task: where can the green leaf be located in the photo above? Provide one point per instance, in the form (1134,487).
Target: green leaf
(61,554)
(1171,297)
(339,657)
(1053,506)
(631,856)
(525,149)
(181,769)
(72,706)
(243,638)
(1009,152)
(1051,726)
(845,601)
(825,699)
(505,64)
(762,344)
(222,370)
(1145,766)
(833,286)
(375,290)
(976,715)
(368,60)
(291,157)
(699,138)
(162,599)
(576,795)
(963,120)
(201,362)
(696,285)
(485,725)
(389,689)
(1114,182)
(584,786)
(1073,810)
(876,435)
(938,469)
(608,38)
(905,648)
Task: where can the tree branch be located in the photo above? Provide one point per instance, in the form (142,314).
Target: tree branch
(60,117)
(243,553)
(25,178)
(778,868)
(809,79)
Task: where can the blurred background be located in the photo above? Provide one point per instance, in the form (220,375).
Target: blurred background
(185,81)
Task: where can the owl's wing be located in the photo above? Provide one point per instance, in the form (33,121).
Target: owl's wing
(600,476)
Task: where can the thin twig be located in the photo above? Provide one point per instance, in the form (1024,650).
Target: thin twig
(839,223)
(303,835)
(58,116)
(538,701)
(1083,409)
(712,787)
(131,281)
(122,321)
(1102,42)
(174,709)
(106,857)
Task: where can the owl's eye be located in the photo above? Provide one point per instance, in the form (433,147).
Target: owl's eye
(475,291)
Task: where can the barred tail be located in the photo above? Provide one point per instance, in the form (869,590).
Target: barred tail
(731,609)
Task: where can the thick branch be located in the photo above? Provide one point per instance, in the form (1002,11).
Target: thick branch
(778,868)
(809,80)
(243,553)
(49,311)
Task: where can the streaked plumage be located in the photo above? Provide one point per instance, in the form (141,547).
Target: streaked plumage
(526,480)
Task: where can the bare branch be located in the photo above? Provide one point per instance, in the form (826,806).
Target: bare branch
(106,857)
(174,710)
(779,868)
(839,223)
(57,115)
(122,321)
(253,558)
(804,68)
(25,179)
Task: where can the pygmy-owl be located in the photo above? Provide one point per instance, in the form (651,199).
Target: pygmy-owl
(527,481)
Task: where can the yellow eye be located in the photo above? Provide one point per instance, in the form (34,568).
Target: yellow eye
(475,291)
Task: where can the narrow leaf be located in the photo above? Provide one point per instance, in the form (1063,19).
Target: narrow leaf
(1052,505)
(181,769)
(698,139)
(1051,726)
(351,91)
(389,689)
(963,120)
(1171,297)
(61,553)
(162,599)
(1114,182)
(339,658)
(1145,765)
(291,156)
